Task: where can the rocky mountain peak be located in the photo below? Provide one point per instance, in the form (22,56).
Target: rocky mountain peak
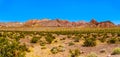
(93,21)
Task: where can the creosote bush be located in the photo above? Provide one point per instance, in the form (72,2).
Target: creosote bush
(116,51)
(102,40)
(49,38)
(76,39)
(89,42)
(71,43)
(75,53)
(61,48)
(112,41)
(42,43)
(34,40)
(55,50)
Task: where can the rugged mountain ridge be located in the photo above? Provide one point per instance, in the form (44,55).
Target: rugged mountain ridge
(54,23)
(58,23)
(104,24)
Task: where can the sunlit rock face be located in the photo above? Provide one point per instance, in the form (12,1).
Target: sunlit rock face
(58,23)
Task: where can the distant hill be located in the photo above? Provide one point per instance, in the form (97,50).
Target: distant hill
(58,23)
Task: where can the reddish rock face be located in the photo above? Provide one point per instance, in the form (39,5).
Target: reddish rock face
(59,23)
(106,24)
(93,22)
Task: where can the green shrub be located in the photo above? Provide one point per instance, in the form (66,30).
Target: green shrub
(69,36)
(92,55)
(116,51)
(43,47)
(55,41)
(102,40)
(61,48)
(49,39)
(71,43)
(11,48)
(54,50)
(76,39)
(118,39)
(112,41)
(89,42)
(63,39)
(42,43)
(75,53)
(34,40)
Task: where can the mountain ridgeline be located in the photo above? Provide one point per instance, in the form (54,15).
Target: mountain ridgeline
(59,23)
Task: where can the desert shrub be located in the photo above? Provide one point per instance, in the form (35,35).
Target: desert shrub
(63,39)
(69,36)
(118,34)
(118,39)
(116,51)
(89,42)
(34,40)
(55,41)
(11,48)
(92,55)
(102,40)
(61,48)
(43,47)
(49,38)
(42,43)
(75,53)
(71,43)
(112,41)
(54,50)
(76,39)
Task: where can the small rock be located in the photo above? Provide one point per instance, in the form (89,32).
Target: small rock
(102,50)
(109,56)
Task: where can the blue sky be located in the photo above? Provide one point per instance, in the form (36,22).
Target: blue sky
(72,10)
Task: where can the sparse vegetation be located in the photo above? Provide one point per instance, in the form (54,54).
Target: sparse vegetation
(11,48)
(16,43)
